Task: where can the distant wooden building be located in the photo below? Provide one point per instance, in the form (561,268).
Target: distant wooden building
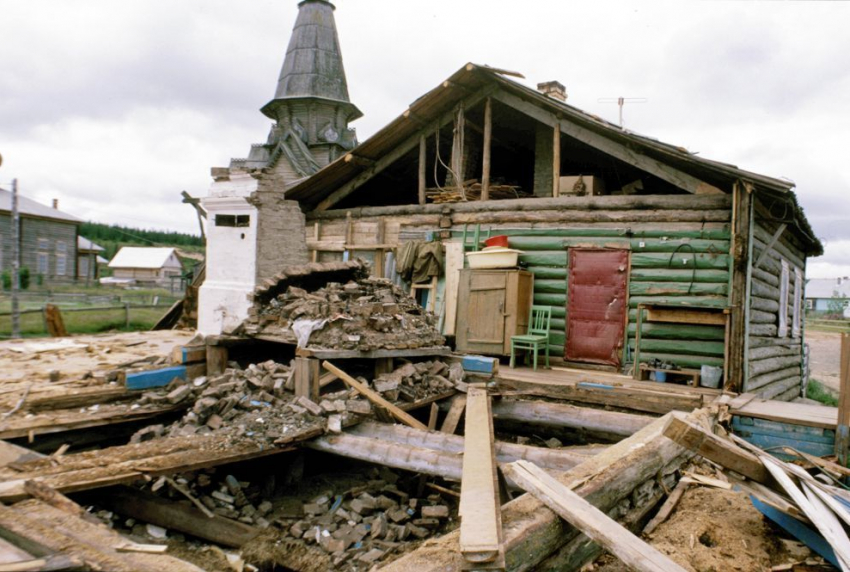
(829,295)
(89,259)
(146,265)
(48,240)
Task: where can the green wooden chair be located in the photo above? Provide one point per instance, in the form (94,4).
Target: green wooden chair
(537,337)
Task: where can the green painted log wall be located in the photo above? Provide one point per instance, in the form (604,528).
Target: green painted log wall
(667,266)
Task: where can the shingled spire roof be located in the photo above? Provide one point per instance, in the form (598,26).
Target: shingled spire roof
(313,65)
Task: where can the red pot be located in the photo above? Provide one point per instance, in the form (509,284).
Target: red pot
(500,240)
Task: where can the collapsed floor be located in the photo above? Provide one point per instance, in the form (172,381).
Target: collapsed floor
(256,458)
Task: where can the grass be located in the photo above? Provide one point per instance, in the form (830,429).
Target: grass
(94,322)
(819,392)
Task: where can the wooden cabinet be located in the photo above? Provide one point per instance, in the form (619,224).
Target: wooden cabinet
(492,306)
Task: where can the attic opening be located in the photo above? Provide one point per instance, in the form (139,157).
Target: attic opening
(522,164)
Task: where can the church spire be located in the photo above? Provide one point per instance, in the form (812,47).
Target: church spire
(313,66)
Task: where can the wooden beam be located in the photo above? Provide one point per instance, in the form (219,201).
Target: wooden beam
(453,416)
(481,540)
(742,233)
(714,448)
(535,532)
(556,159)
(423,167)
(150,508)
(631,550)
(488,140)
(359,161)
(609,146)
(766,252)
(396,154)
(375,397)
(667,508)
(842,430)
(216,359)
(307,378)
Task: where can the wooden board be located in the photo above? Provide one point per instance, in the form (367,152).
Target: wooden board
(454,264)
(630,549)
(690,316)
(480,514)
(374,354)
(793,413)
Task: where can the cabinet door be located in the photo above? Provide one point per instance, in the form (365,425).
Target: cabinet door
(483,306)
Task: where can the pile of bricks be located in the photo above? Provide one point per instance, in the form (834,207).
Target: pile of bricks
(364,314)
(414,381)
(361,526)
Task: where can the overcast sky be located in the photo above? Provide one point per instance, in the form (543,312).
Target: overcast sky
(114,107)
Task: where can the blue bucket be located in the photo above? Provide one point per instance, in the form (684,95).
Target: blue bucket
(661,376)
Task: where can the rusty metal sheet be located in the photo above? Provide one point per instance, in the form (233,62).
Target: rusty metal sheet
(596,305)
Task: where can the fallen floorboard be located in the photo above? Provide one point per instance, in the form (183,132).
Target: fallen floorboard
(608,424)
(533,532)
(820,416)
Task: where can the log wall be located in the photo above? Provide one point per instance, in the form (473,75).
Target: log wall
(774,363)
(679,248)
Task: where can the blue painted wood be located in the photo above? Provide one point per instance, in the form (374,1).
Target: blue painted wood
(779,428)
(798,529)
(480,364)
(591,385)
(155,377)
(773,443)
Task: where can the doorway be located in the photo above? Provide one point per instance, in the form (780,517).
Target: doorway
(596,305)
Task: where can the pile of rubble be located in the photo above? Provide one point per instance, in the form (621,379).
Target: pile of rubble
(360,526)
(252,403)
(364,314)
(414,381)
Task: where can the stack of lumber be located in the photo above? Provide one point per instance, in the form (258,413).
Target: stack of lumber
(472,192)
(809,508)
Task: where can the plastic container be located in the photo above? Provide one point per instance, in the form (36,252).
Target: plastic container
(494,258)
(709,376)
(660,376)
(500,240)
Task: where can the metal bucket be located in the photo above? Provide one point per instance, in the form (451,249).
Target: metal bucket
(709,376)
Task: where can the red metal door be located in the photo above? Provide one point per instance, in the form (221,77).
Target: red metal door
(596,305)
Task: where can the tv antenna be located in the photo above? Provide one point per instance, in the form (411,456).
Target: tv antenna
(621,101)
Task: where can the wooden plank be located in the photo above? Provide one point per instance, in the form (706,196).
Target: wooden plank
(423,166)
(630,549)
(611,424)
(44,564)
(307,378)
(55,323)
(147,507)
(792,413)
(689,316)
(216,359)
(373,354)
(454,264)
(155,377)
(182,355)
(481,542)
(556,159)
(486,151)
(453,416)
(714,448)
(766,251)
(842,430)
(666,508)
(374,397)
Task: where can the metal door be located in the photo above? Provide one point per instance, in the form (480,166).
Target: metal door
(596,305)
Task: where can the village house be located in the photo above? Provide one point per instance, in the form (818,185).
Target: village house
(829,296)
(644,253)
(48,240)
(143,265)
(89,259)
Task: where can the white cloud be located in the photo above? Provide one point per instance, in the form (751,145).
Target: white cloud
(115,107)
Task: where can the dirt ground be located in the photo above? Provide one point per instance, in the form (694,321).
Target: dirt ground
(715,530)
(825,357)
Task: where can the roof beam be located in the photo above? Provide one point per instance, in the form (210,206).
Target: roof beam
(397,153)
(601,143)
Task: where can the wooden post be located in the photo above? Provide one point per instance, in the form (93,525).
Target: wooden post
(422,168)
(485,162)
(127,315)
(383,365)
(307,378)
(216,359)
(739,302)
(842,430)
(556,160)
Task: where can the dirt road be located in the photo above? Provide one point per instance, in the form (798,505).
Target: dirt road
(825,362)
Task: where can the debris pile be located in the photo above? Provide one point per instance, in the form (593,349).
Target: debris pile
(364,314)
(360,526)
(415,381)
(251,403)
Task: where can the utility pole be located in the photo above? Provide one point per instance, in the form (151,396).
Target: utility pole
(16,261)
(621,101)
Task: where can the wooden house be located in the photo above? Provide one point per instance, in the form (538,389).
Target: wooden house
(645,252)
(48,240)
(144,265)
(89,259)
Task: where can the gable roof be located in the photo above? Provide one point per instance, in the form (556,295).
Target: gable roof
(473,78)
(28,207)
(141,257)
(85,244)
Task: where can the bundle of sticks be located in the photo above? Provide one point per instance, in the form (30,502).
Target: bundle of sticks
(472,192)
